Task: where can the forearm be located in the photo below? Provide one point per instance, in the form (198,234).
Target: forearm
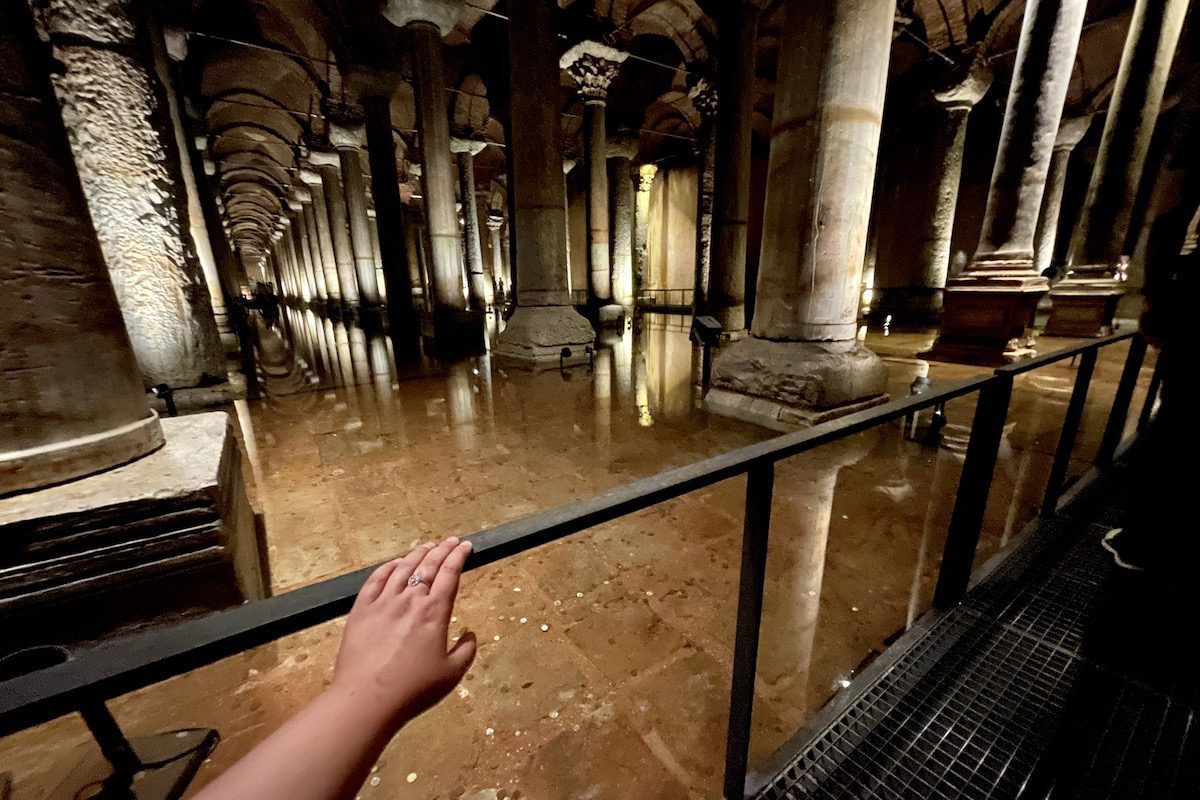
(323,753)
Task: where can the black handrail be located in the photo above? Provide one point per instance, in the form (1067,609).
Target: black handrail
(136,660)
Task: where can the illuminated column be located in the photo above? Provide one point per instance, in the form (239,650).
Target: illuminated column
(118,123)
(704,97)
(494,224)
(349,140)
(71,399)
(1070,132)
(377,254)
(327,165)
(481,292)
(621,152)
(803,363)
(641,220)
(1084,303)
(989,308)
(303,249)
(322,238)
(593,66)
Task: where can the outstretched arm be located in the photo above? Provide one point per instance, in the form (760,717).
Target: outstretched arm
(393,664)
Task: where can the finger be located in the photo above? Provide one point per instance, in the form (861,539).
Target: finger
(461,655)
(374,584)
(431,563)
(398,579)
(445,586)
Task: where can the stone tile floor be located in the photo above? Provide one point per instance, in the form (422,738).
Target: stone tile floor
(604,663)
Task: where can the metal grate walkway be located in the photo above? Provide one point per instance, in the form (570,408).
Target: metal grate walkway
(1059,677)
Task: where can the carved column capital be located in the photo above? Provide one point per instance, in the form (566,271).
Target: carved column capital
(592,65)
(471,146)
(495,222)
(703,94)
(442,14)
(347,136)
(963,91)
(646,173)
(1070,131)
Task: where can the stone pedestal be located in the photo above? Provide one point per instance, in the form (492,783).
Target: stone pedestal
(1084,306)
(990,307)
(536,337)
(168,534)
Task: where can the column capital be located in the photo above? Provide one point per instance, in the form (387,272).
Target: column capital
(294,205)
(347,136)
(302,194)
(370,213)
(592,65)
(361,80)
(568,165)
(321,158)
(646,173)
(472,146)
(703,94)
(1071,131)
(210,166)
(963,91)
(623,146)
(309,177)
(442,14)
(494,222)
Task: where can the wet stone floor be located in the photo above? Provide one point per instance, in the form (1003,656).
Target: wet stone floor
(604,661)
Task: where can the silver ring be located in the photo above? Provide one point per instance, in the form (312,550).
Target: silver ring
(416,579)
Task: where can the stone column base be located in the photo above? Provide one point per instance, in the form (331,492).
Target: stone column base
(1083,308)
(170,534)
(790,385)
(612,315)
(536,336)
(988,321)
(915,305)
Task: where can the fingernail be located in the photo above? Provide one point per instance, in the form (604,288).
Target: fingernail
(467,545)
(452,540)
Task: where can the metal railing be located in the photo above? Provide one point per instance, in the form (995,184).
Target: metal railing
(665,299)
(130,662)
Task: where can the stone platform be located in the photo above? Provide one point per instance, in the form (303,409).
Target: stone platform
(536,337)
(171,533)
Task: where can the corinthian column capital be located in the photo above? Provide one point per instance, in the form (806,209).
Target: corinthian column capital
(592,65)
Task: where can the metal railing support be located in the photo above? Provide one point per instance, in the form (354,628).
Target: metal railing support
(1152,393)
(107,733)
(760,482)
(1066,439)
(963,537)
(1121,401)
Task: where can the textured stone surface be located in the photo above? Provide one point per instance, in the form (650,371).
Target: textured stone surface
(120,133)
(800,374)
(536,335)
(71,400)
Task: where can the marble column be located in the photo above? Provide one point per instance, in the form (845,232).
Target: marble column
(349,141)
(703,95)
(989,308)
(377,253)
(545,330)
(481,295)
(291,274)
(315,251)
(308,280)
(426,22)
(327,165)
(494,224)
(1084,303)
(641,221)
(909,295)
(621,152)
(322,237)
(593,65)
(71,398)
(737,24)
(117,119)
(803,363)
(1070,132)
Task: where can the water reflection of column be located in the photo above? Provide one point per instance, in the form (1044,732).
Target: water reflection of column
(327,344)
(641,384)
(359,358)
(943,487)
(316,344)
(602,395)
(389,420)
(622,350)
(460,406)
(1050,395)
(484,367)
(345,361)
(793,603)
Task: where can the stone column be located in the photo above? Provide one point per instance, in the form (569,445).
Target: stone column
(641,221)
(494,224)
(291,272)
(1070,132)
(349,141)
(322,238)
(803,362)
(737,23)
(426,22)
(339,233)
(544,323)
(704,97)
(621,152)
(593,66)
(1084,303)
(303,248)
(71,399)
(916,296)
(990,307)
(116,114)
(481,296)
(377,254)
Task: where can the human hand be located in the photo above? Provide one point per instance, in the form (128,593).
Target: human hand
(394,659)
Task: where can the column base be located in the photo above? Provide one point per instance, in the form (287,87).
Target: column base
(907,305)
(172,533)
(789,385)
(612,315)
(988,321)
(1084,308)
(539,337)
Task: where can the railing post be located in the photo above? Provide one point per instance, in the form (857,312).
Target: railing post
(1151,393)
(760,482)
(113,744)
(1121,401)
(973,487)
(1066,440)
